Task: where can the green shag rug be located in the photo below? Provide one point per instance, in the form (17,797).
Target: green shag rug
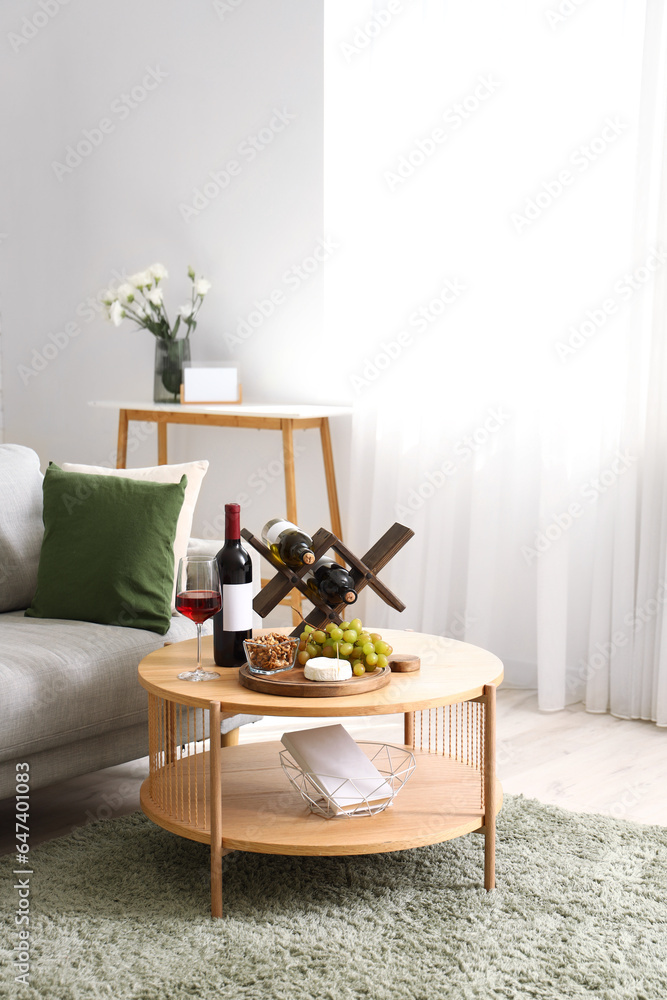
(121,909)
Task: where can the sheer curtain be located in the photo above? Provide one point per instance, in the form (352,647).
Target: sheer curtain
(2,414)
(626,668)
(495,311)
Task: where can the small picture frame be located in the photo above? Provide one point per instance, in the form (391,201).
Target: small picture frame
(210,382)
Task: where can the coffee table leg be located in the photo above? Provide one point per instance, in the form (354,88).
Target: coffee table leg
(490,788)
(216,811)
(409,729)
(170,732)
(230,739)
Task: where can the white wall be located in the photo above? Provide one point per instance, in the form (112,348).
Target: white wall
(217,71)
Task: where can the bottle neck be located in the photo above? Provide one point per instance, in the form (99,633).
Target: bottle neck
(232,523)
(304,553)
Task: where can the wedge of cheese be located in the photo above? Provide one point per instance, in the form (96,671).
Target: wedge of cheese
(323,668)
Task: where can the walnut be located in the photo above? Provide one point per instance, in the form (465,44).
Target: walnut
(272,652)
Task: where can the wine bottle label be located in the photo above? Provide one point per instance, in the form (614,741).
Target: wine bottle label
(236,606)
(272,534)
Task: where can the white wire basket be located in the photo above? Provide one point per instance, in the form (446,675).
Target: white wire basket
(331,795)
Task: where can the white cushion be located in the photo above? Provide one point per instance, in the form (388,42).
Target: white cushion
(208,547)
(21,526)
(195,471)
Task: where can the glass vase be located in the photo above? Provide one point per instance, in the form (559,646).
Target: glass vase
(169,358)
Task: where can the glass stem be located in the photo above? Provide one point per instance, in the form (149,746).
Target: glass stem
(198,624)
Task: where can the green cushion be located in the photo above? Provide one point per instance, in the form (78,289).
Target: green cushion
(107,554)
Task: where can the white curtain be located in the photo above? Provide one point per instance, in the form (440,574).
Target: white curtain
(2,415)
(493,175)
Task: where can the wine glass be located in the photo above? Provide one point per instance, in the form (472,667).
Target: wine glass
(198,598)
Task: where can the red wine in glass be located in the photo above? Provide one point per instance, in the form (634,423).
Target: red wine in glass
(198,597)
(198,605)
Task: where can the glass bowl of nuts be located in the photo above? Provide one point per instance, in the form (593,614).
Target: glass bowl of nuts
(272,653)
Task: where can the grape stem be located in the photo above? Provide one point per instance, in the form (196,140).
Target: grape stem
(322,627)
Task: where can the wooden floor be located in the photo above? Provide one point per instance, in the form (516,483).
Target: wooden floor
(583,762)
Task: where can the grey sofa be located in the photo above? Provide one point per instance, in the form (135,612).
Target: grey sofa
(70,701)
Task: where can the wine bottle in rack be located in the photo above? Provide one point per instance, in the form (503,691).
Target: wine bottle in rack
(332,583)
(288,542)
(233,623)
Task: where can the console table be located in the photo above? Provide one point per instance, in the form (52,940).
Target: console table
(282,418)
(237,797)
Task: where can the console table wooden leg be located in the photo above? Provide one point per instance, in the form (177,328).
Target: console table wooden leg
(216,812)
(162,443)
(490,787)
(409,729)
(330,476)
(290,499)
(121,454)
(290,479)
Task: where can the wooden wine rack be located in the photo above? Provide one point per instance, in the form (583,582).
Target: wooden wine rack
(363,572)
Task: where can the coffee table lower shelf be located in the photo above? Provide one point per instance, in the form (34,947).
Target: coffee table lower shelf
(262,813)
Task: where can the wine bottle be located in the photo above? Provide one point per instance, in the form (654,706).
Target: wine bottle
(288,543)
(332,583)
(233,623)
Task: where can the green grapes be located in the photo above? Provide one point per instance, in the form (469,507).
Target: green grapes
(365,651)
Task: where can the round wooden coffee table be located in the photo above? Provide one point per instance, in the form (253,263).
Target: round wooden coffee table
(238,798)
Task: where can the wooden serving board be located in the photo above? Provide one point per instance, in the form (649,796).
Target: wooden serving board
(293,684)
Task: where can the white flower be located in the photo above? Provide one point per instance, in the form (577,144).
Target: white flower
(159,271)
(140,298)
(142,279)
(116,313)
(126,292)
